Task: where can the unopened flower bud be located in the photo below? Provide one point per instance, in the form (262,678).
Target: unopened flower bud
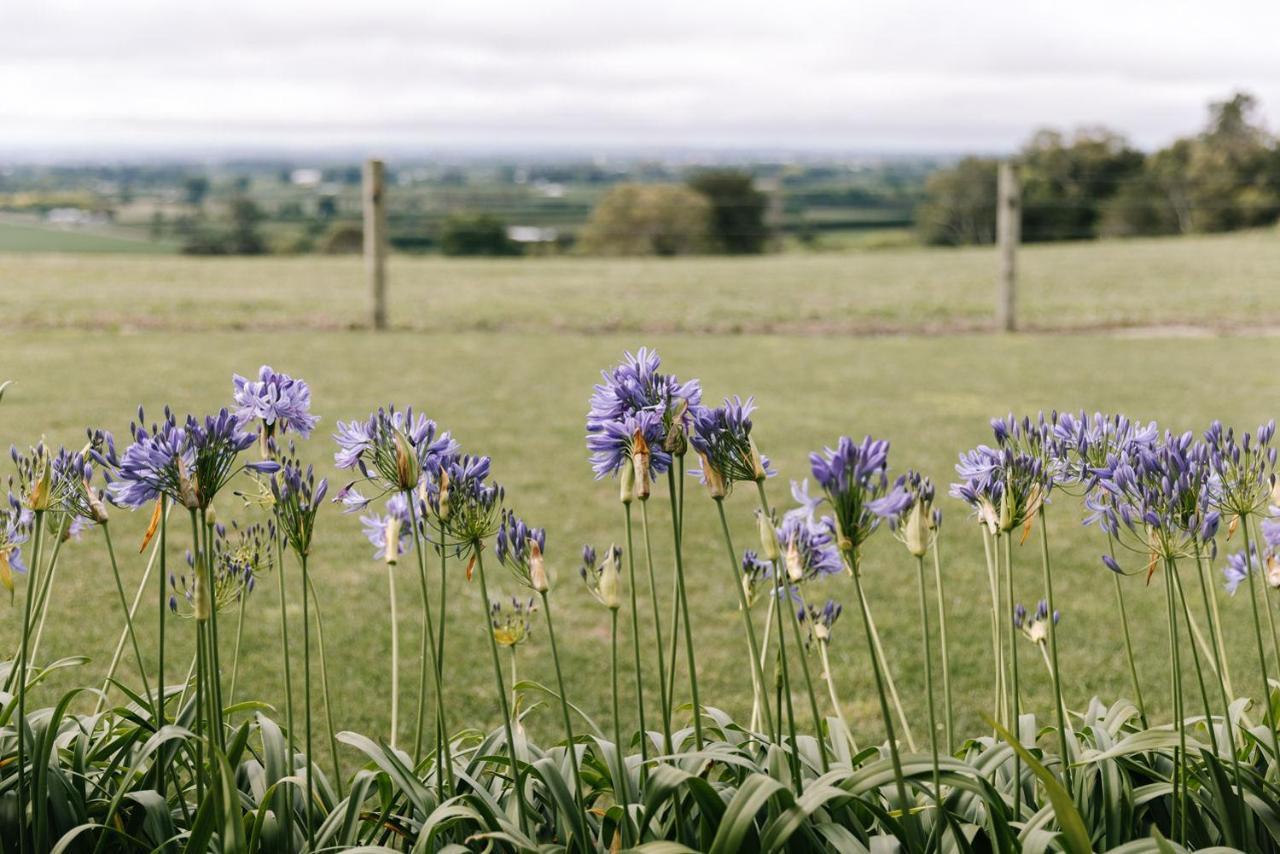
(200,604)
(715,480)
(97,507)
(676,442)
(640,458)
(1038,631)
(915,531)
(795,564)
(770,549)
(38,498)
(537,568)
(391,541)
(627,484)
(1273,571)
(406,463)
(186,488)
(757,461)
(210,516)
(444,496)
(611,581)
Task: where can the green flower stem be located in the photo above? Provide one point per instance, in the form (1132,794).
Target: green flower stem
(886,716)
(215,656)
(306,702)
(1178,824)
(324,691)
(890,685)
(46,586)
(20,677)
(664,697)
(928,683)
(1218,655)
(1061,704)
(163,609)
(785,670)
(235,652)
(428,653)
(623,792)
(571,743)
(991,548)
(753,647)
(946,655)
(684,607)
(800,648)
(442,732)
(1015,711)
(1128,640)
(516,775)
(395,654)
(635,646)
(132,612)
(286,653)
(1262,655)
(1215,622)
(829,677)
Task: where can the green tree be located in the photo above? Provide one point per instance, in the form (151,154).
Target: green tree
(195,189)
(737,210)
(245,238)
(1066,181)
(649,219)
(960,204)
(476,234)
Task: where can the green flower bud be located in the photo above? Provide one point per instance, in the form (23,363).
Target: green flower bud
(770,549)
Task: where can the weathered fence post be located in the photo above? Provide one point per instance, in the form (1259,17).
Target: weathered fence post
(375,239)
(1008,234)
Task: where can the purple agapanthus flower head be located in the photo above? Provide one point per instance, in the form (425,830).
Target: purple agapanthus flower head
(1243,470)
(464,505)
(908,508)
(1157,499)
(519,548)
(853,476)
(757,576)
(298,496)
(820,620)
(15,529)
(634,387)
(392,448)
(726,450)
(1082,444)
(188,463)
(1005,487)
(389,533)
(279,401)
(807,542)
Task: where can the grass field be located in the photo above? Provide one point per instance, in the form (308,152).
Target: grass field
(29,235)
(521,397)
(1213,282)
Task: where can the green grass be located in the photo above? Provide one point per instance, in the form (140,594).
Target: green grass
(25,235)
(521,398)
(1203,281)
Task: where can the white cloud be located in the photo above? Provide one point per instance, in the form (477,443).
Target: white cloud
(917,74)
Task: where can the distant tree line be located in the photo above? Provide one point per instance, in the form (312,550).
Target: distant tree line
(1094,183)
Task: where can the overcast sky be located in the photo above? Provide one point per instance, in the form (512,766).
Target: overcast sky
(912,75)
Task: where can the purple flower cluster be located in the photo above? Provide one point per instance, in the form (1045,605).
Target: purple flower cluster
(726,451)
(820,620)
(298,496)
(15,529)
(1084,443)
(1243,471)
(519,547)
(808,543)
(635,398)
(279,401)
(465,506)
(392,448)
(854,477)
(389,533)
(188,463)
(908,508)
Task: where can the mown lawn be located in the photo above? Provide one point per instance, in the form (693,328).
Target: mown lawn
(1212,281)
(521,397)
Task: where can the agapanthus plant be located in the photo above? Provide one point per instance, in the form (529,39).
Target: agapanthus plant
(909,510)
(519,548)
(279,401)
(190,596)
(1243,471)
(389,533)
(853,477)
(727,452)
(15,530)
(1082,444)
(391,448)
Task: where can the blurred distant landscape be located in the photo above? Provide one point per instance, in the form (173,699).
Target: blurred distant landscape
(1081,184)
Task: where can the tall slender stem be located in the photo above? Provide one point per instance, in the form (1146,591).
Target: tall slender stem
(1179,718)
(1015,711)
(622,786)
(306,700)
(890,685)
(428,652)
(684,605)
(1218,656)
(991,548)
(635,645)
(395,653)
(324,690)
(1128,640)
(1252,579)
(235,652)
(829,677)
(442,731)
(927,650)
(46,586)
(215,658)
(286,653)
(753,646)
(163,609)
(128,614)
(885,715)
(664,697)
(120,642)
(20,683)
(946,655)
(571,746)
(516,775)
(1061,706)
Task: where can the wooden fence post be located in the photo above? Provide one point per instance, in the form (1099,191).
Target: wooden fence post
(1008,234)
(375,239)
